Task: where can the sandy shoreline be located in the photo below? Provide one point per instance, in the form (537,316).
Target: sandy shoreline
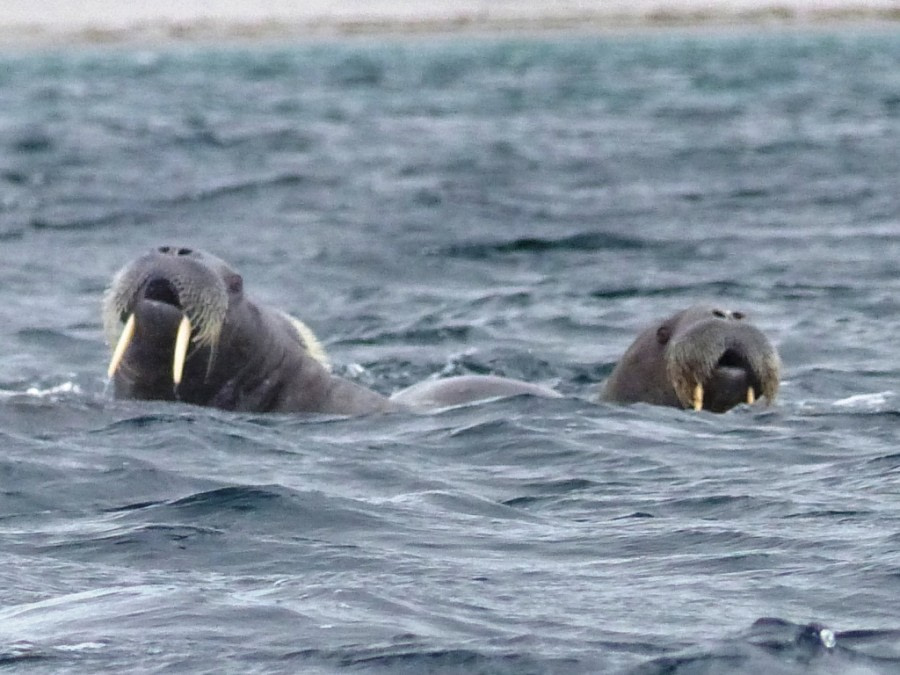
(57,22)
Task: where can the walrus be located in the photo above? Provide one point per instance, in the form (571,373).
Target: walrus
(702,358)
(184,330)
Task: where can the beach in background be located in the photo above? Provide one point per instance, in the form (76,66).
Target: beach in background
(108,21)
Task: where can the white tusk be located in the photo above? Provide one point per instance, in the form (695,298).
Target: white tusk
(121,346)
(182,340)
(751,395)
(698,397)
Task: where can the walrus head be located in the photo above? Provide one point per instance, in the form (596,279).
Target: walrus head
(701,358)
(183,330)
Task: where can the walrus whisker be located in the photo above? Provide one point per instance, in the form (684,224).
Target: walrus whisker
(210,362)
(121,346)
(182,342)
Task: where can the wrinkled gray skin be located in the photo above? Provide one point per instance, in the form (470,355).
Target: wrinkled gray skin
(243,356)
(716,348)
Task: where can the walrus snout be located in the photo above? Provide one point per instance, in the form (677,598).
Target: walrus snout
(721,362)
(160,288)
(192,283)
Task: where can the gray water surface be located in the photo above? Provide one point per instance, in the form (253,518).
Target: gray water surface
(518,206)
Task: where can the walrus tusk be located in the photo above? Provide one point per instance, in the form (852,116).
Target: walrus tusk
(182,339)
(121,346)
(698,397)
(751,395)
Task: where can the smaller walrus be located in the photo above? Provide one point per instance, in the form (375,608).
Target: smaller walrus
(183,330)
(701,358)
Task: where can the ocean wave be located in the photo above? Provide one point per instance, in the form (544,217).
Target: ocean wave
(20,652)
(775,645)
(581,241)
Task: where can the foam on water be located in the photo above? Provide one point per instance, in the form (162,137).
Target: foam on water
(866,401)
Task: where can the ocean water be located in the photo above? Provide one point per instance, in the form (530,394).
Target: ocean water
(518,205)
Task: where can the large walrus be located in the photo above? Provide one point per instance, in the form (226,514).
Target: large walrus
(184,330)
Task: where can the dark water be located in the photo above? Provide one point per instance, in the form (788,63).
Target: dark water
(510,205)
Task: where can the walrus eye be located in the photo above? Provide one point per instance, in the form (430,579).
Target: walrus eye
(235,283)
(663,333)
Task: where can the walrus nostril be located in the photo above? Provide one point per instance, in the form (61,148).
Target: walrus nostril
(171,250)
(719,313)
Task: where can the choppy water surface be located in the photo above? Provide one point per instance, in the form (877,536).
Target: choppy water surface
(520,206)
